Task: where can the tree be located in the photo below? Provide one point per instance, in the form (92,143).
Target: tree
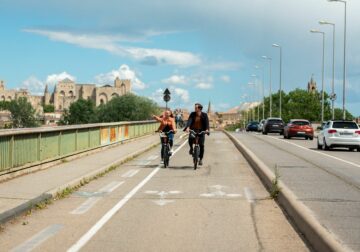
(338,114)
(80,112)
(49,108)
(22,113)
(128,107)
(4,105)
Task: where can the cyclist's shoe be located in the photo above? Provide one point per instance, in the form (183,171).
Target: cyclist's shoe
(190,151)
(200,162)
(162,161)
(171,151)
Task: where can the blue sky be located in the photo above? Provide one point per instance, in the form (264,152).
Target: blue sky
(201,50)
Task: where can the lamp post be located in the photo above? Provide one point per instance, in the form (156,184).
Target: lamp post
(262,91)
(333,95)
(256,95)
(344,71)
(280,90)
(270,93)
(323,63)
(252,96)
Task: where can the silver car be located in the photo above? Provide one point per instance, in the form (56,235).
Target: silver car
(260,125)
(339,134)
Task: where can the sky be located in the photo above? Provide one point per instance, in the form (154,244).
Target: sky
(201,50)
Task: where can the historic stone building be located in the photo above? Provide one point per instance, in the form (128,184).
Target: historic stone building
(312,85)
(67,91)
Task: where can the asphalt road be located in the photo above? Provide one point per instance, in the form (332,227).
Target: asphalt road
(328,182)
(143,207)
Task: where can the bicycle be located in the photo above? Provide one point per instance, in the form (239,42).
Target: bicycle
(165,147)
(196,149)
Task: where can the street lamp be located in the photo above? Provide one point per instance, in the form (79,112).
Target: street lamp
(262,91)
(280,91)
(269,59)
(257,94)
(332,96)
(252,98)
(323,62)
(344,71)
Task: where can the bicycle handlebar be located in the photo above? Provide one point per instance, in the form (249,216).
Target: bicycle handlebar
(163,134)
(200,133)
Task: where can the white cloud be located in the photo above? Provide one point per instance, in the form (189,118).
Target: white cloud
(34,85)
(124,72)
(204,85)
(55,78)
(225,78)
(110,43)
(183,94)
(175,79)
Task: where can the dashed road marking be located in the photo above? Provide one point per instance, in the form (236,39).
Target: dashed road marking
(98,225)
(39,238)
(130,173)
(89,203)
(249,195)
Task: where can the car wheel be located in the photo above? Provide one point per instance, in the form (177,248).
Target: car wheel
(358,149)
(306,138)
(319,146)
(325,146)
(311,138)
(352,148)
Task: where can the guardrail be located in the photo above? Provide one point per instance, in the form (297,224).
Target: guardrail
(22,148)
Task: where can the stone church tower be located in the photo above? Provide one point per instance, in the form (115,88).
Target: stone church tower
(312,85)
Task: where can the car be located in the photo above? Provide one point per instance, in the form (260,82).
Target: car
(261,125)
(252,126)
(339,133)
(273,125)
(299,128)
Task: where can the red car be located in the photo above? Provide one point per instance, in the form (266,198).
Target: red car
(299,128)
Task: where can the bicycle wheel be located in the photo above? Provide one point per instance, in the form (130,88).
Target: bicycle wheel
(167,159)
(196,154)
(164,155)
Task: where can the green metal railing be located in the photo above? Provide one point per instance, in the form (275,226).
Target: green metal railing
(22,148)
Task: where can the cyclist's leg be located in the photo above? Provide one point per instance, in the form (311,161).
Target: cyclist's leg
(202,146)
(191,142)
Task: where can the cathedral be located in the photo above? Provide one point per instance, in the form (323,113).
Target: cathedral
(67,91)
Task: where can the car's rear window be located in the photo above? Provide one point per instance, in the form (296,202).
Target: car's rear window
(301,123)
(275,121)
(345,125)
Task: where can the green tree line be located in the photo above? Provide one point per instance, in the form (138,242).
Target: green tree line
(128,107)
(300,104)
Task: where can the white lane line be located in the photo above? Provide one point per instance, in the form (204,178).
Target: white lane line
(249,195)
(90,202)
(39,238)
(130,173)
(318,152)
(183,135)
(98,225)
(153,157)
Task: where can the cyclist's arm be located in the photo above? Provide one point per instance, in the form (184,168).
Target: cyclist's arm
(173,125)
(157,118)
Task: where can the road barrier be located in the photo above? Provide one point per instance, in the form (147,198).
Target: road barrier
(24,148)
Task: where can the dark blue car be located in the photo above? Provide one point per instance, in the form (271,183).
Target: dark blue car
(252,126)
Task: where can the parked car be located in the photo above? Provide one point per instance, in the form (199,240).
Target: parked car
(252,126)
(261,125)
(273,125)
(299,128)
(339,134)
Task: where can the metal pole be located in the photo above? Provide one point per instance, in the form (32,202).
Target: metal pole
(280,79)
(333,78)
(344,74)
(322,84)
(270,92)
(263,95)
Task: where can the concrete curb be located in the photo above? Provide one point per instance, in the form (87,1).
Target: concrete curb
(317,235)
(26,206)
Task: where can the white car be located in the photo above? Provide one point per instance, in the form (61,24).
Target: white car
(339,134)
(261,124)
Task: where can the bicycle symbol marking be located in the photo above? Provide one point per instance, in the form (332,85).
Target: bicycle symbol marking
(162,194)
(217,191)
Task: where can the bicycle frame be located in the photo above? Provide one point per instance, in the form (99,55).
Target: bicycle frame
(165,148)
(196,148)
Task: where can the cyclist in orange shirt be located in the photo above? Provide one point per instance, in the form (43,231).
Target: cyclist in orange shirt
(167,123)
